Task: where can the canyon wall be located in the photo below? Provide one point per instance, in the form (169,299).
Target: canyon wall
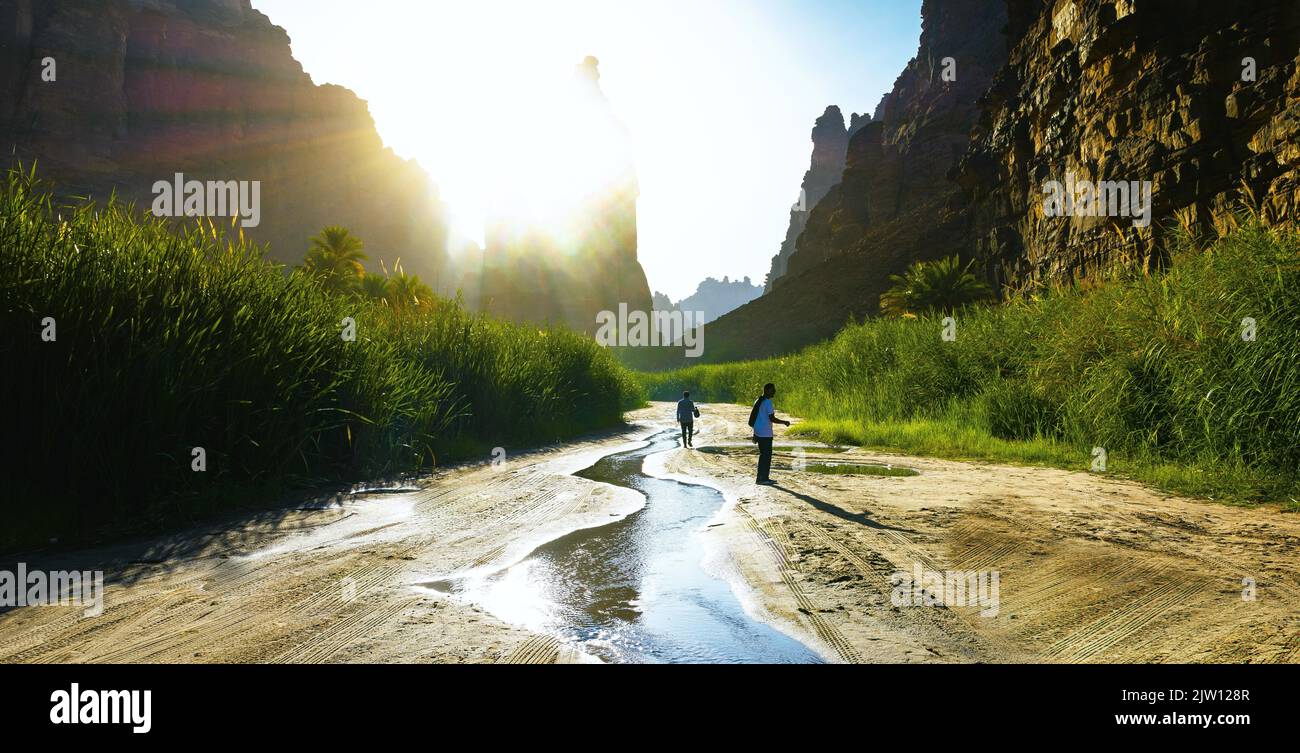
(1201,98)
(895,184)
(894,202)
(144,89)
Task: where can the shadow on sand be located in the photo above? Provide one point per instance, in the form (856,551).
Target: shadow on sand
(853,517)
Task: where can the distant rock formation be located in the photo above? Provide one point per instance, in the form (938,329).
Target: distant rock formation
(145,89)
(895,184)
(716,297)
(830,142)
(564,269)
(662,302)
(712,297)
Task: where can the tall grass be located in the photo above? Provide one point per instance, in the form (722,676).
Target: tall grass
(1152,368)
(171,339)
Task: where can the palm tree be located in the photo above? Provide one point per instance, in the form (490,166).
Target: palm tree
(335,258)
(944,285)
(407,291)
(375,287)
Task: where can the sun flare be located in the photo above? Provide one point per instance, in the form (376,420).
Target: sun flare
(570,158)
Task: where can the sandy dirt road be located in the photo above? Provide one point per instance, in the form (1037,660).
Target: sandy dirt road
(1089,569)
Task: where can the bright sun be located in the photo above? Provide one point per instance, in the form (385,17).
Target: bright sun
(470,90)
(570,155)
(523,140)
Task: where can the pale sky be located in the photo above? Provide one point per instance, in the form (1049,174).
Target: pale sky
(719,97)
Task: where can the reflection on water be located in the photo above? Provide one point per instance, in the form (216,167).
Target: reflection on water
(634,590)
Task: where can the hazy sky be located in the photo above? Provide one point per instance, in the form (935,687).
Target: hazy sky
(719,97)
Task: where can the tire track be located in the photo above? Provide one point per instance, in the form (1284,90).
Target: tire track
(1006,647)
(1063,584)
(1104,633)
(346,588)
(204,632)
(865,568)
(1290,651)
(33,637)
(540,649)
(821,627)
(58,645)
(985,548)
(911,549)
(137,645)
(342,633)
(331,595)
(193,626)
(217,600)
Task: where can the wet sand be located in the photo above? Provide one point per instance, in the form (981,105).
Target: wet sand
(1090,569)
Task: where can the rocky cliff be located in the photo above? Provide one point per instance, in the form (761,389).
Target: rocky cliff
(144,89)
(830,140)
(893,201)
(1200,98)
(895,182)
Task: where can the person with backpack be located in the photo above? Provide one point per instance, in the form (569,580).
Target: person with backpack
(762,416)
(686,415)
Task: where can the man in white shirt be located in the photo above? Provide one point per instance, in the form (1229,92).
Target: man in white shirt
(762,417)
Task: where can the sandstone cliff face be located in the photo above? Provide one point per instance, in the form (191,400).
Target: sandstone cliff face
(895,185)
(894,203)
(209,88)
(1132,90)
(1105,90)
(830,141)
(581,259)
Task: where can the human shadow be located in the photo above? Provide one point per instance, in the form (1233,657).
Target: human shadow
(860,518)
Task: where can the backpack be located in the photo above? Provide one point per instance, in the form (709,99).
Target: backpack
(753,412)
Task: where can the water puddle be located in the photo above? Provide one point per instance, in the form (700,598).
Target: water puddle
(634,590)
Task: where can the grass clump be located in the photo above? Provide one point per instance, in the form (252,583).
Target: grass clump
(129,343)
(856,469)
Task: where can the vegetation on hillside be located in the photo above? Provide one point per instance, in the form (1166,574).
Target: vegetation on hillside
(336,260)
(927,287)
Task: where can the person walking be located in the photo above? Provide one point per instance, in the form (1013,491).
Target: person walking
(762,416)
(686,415)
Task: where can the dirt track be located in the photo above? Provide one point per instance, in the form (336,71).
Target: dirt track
(1090,569)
